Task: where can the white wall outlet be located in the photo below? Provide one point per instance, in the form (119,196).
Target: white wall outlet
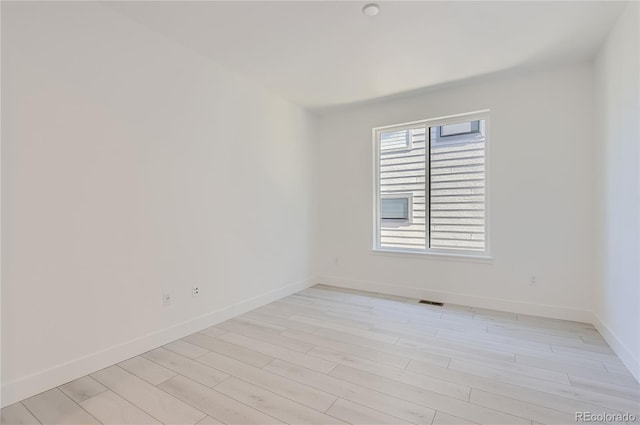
(195,291)
(166,298)
(533,280)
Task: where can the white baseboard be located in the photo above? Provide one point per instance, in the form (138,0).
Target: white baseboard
(627,356)
(43,380)
(543,310)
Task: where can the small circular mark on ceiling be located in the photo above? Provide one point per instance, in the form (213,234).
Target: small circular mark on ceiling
(371,9)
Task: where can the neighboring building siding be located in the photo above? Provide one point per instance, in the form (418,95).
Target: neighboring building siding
(404,172)
(457,193)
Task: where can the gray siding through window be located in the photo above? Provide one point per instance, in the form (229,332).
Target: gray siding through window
(457,192)
(403,172)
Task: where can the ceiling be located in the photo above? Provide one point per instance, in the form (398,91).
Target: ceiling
(324,53)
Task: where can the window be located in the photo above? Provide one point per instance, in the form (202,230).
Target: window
(459,129)
(396,209)
(395,140)
(430,182)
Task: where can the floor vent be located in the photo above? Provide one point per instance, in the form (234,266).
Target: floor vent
(430,303)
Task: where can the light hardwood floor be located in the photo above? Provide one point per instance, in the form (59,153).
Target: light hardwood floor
(335,356)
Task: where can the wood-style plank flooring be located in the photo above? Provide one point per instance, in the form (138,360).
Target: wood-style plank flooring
(336,356)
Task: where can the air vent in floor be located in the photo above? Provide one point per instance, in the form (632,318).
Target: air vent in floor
(430,303)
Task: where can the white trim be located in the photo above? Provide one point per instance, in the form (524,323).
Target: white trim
(625,354)
(518,307)
(43,380)
(376,188)
(431,255)
(448,119)
(487,185)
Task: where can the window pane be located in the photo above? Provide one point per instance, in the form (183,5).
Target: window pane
(459,128)
(394,140)
(402,174)
(457,200)
(394,209)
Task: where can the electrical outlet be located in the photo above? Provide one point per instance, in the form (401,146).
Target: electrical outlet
(533,280)
(195,291)
(166,298)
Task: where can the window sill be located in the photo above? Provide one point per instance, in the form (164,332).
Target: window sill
(483,259)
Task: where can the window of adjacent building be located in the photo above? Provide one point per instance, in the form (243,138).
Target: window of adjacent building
(430,186)
(396,209)
(395,140)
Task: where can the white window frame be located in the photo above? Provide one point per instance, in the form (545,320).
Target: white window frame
(427,123)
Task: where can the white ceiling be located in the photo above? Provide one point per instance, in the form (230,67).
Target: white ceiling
(324,53)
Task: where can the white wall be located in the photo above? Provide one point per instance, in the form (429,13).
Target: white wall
(541,196)
(617,294)
(133,166)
